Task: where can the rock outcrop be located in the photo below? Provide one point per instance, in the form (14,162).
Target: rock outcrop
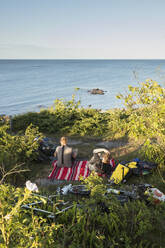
(96,91)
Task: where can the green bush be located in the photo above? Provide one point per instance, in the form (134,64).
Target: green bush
(65,117)
(18,228)
(146,105)
(17,150)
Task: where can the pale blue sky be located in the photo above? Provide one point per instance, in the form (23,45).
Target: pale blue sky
(82,29)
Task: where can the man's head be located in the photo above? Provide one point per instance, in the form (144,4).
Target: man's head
(106,157)
(63,141)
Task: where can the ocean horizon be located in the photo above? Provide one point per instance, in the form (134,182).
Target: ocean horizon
(31,84)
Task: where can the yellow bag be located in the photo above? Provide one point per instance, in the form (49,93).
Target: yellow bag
(132,165)
(120,172)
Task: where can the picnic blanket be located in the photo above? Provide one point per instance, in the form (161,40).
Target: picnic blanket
(70,174)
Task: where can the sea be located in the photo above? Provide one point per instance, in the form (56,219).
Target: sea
(31,85)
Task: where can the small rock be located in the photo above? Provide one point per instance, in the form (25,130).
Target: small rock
(41,106)
(96,91)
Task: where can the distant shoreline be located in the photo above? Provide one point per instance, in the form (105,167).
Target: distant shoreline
(68,59)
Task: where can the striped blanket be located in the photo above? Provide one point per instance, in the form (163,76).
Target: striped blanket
(70,174)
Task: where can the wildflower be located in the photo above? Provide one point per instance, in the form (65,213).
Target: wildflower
(7,217)
(31,186)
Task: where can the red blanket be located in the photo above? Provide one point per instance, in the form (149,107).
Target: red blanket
(70,174)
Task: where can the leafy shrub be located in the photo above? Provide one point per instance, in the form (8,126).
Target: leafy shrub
(17,149)
(65,117)
(146,105)
(147,94)
(17,227)
(117,124)
(91,122)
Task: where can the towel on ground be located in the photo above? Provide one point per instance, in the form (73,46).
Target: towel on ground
(70,174)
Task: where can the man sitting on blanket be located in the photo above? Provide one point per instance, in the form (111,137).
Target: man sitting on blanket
(101,162)
(65,155)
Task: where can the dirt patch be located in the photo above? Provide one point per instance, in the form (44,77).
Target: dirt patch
(111,144)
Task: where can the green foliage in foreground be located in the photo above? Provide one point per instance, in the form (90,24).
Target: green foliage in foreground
(98,221)
(19,228)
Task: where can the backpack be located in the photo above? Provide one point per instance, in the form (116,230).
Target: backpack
(122,172)
(95,163)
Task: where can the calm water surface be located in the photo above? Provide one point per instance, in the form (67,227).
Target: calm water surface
(28,85)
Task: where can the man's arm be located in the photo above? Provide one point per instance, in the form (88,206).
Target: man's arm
(56,152)
(74,153)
